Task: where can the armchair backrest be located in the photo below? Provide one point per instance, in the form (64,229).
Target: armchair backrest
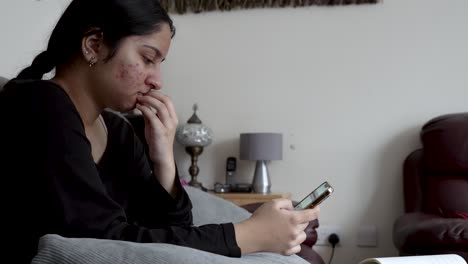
(413,181)
(3,81)
(436,176)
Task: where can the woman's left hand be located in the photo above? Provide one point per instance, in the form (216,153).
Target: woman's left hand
(160,128)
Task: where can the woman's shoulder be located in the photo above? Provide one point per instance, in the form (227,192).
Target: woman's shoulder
(41,97)
(34,90)
(22,84)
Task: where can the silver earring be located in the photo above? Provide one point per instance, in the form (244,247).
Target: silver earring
(92,62)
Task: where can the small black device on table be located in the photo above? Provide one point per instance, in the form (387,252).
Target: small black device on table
(231,184)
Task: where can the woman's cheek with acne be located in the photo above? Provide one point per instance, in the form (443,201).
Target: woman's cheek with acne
(131,75)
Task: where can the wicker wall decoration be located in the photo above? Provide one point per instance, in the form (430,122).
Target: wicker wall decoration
(198,6)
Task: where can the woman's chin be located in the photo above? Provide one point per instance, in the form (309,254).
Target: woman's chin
(133,110)
(123,109)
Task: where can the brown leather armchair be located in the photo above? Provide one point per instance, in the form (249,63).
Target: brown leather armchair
(307,252)
(435,185)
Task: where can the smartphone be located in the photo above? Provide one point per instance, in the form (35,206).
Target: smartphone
(315,197)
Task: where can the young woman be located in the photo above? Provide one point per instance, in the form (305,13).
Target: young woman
(79,171)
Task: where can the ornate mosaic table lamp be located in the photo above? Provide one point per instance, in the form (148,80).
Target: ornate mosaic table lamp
(195,136)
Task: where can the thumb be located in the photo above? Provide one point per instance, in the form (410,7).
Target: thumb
(284,204)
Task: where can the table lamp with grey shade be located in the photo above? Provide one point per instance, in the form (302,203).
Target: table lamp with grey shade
(261,147)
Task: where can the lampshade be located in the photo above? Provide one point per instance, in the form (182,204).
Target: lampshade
(192,135)
(261,146)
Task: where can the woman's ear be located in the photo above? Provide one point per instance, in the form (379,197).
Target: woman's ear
(92,45)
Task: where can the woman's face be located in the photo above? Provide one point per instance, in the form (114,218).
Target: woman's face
(135,69)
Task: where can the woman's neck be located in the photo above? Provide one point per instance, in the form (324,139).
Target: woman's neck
(74,82)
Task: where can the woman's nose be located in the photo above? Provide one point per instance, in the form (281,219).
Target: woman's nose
(154,81)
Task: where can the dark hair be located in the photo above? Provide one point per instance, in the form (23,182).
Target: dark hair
(116,19)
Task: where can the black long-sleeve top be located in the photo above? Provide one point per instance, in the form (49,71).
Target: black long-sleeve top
(46,162)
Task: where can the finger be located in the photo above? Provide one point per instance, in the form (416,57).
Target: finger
(317,209)
(146,112)
(149,117)
(301,238)
(302,226)
(161,109)
(298,234)
(168,114)
(294,250)
(154,110)
(166,100)
(282,203)
(304,216)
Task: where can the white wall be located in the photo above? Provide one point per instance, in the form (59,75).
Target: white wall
(25,27)
(349,87)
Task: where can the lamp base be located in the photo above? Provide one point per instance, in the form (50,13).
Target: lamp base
(261,182)
(196,184)
(193,170)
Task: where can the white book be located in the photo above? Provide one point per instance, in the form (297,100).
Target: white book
(426,259)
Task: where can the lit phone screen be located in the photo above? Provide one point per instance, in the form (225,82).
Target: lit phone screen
(310,198)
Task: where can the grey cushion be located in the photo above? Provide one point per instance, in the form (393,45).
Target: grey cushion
(57,249)
(206,209)
(210,209)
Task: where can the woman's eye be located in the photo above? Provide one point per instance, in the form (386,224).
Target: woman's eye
(148,61)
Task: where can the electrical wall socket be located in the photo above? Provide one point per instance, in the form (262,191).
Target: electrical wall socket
(324,231)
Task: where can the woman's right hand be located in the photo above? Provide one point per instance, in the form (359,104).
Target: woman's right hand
(274,227)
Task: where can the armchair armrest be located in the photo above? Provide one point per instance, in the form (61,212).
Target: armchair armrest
(419,230)
(307,252)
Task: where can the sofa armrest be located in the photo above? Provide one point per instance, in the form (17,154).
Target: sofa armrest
(55,249)
(420,230)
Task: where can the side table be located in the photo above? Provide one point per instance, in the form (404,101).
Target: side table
(248,198)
